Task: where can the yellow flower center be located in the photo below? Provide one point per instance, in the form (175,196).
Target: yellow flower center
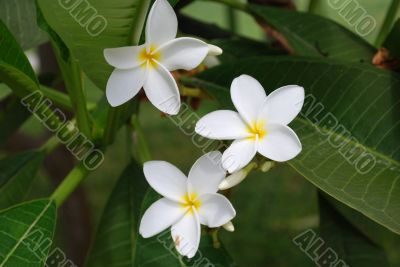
(149,56)
(257,129)
(191,202)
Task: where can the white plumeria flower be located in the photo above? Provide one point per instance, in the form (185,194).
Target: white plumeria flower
(149,65)
(187,203)
(260,125)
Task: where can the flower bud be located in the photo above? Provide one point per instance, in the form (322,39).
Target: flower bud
(214,50)
(229,226)
(233,179)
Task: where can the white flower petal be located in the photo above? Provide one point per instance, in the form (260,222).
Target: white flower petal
(159,216)
(123,85)
(215,210)
(283,105)
(222,125)
(124,57)
(280,143)
(162,24)
(162,90)
(239,154)
(166,179)
(186,234)
(183,53)
(248,96)
(206,174)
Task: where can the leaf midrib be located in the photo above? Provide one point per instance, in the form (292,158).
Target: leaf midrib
(331,132)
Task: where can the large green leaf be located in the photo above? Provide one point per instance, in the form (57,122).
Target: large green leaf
(370,229)
(364,101)
(114,242)
(347,242)
(20,17)
(25,232)
(312,35)
(17,174)
(15,69)
(87,42)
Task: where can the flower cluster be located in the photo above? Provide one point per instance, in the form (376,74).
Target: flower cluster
(259,125)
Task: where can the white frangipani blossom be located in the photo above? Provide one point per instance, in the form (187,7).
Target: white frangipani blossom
(187,202)
(260,125)
(149,65)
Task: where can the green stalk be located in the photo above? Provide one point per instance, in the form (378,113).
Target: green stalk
(62,100)
(231,19)
(114,114)
(233,4)
(143,151)
(58,98)
(312,5)
(69,184)
(50,145)
(74,82)
(387,24)
(113,118)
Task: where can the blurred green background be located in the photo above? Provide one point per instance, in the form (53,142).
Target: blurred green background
(273,208)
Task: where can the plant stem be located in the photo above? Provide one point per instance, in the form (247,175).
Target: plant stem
(232,4)
(61,99)
(387,24)
(312,5)
(231,19)
(58,98)
(142,148)
(192,92)
(50,145)
(74,83)
(69,184)
(113,118)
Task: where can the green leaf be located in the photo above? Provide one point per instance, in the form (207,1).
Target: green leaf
(25,232)
(312,35)
(15,69)
(373,231)
(17,174)
(347,242)
(350,118)
(116,21)
(114,242)
(12,115)
(392,40)
(20,18)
